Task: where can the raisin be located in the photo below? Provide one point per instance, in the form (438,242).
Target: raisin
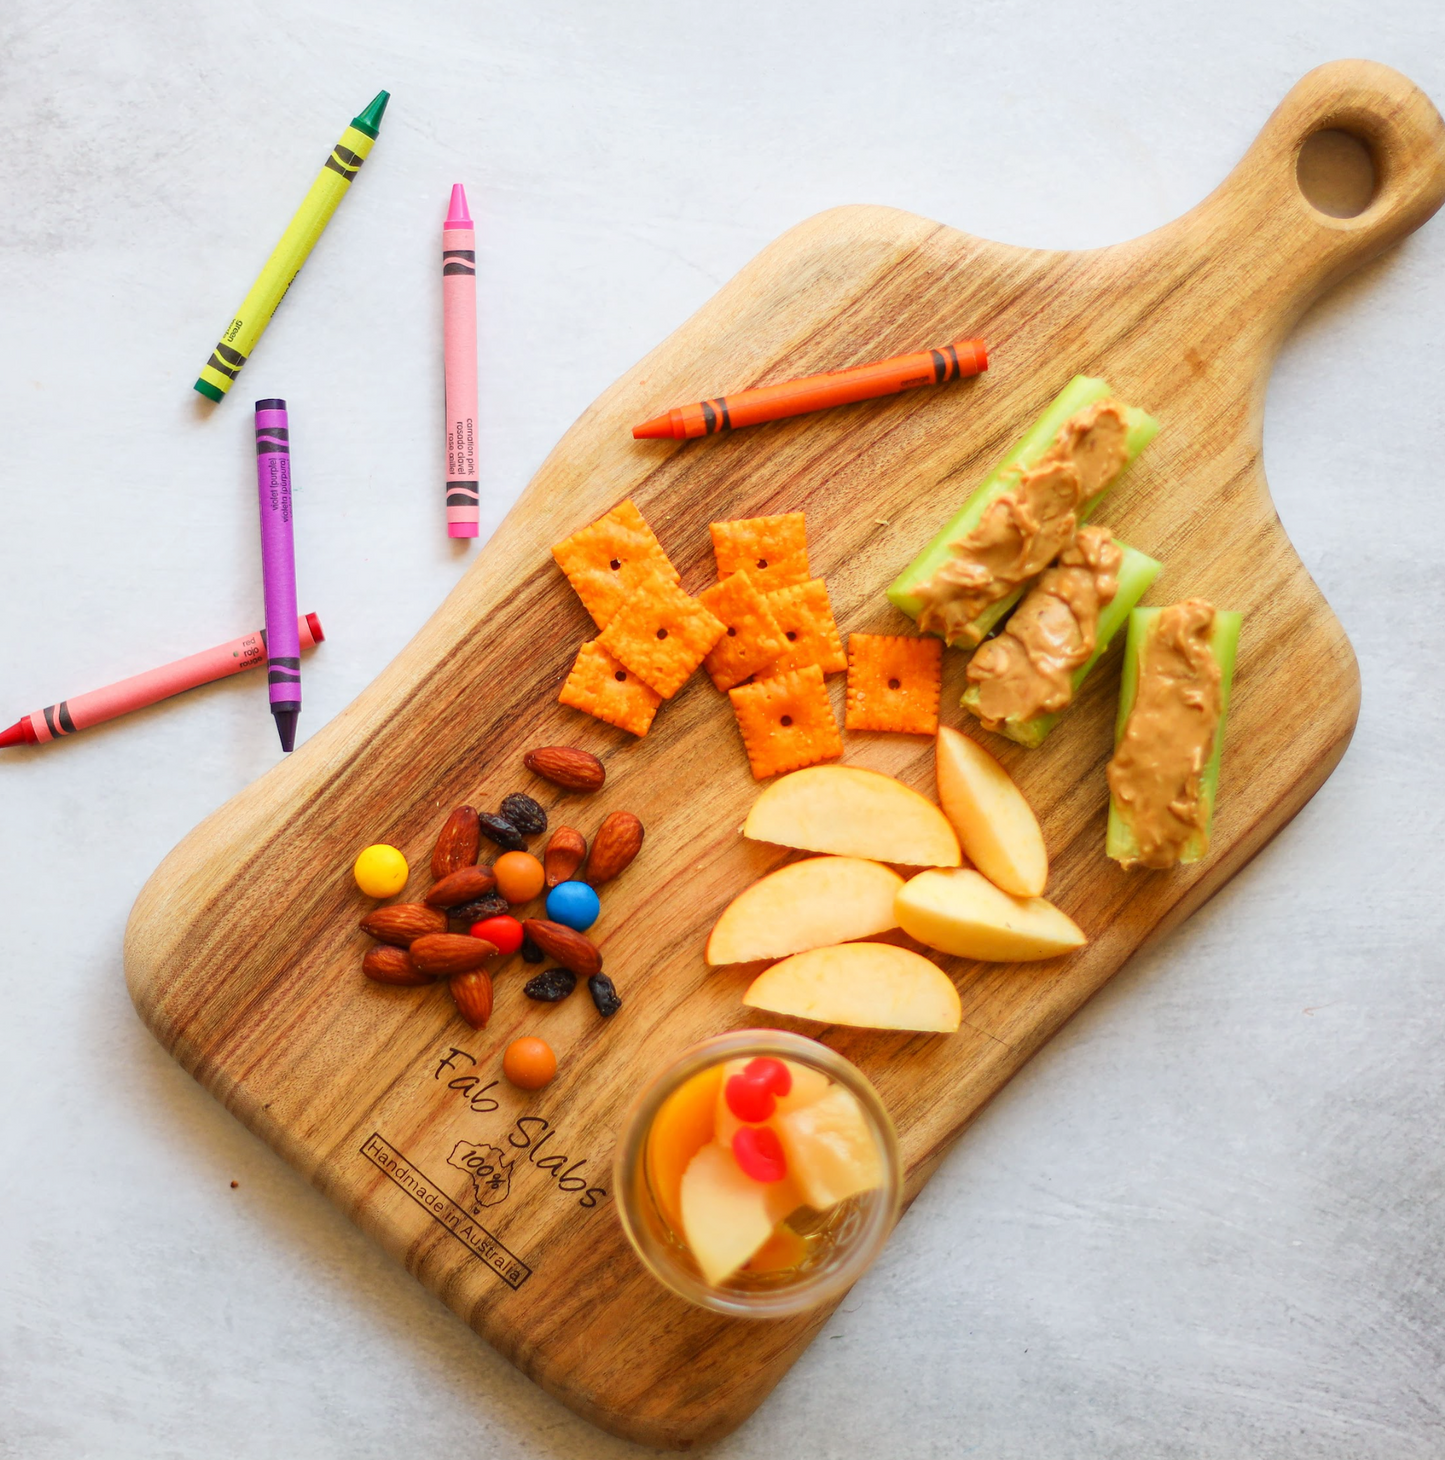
(490,906)
(531,953)
(604,995)
(525,814)
(501,831)
(549,987)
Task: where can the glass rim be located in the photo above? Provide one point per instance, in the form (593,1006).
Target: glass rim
(811,1290)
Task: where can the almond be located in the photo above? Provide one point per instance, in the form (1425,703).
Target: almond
(473,994)
(445,954)
(466,884)
(618,841)
(566,945)
(402,923)
(566,766)
(565,850)
(387,964)
(457,844)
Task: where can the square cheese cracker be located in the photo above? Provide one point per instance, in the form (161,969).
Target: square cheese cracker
(660,633)
(605,561)
(806,619)
(893,683)
(753,639)
(787,722)
(601,687)
(774,550)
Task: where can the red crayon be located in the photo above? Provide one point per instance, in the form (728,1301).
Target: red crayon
(55,722)
(817,392)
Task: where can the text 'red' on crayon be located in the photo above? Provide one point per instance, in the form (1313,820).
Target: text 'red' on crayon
(57,721)
(817,392)
(459,338)
(306,226)
(278,566)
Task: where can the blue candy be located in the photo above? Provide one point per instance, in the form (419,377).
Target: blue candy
(574,905)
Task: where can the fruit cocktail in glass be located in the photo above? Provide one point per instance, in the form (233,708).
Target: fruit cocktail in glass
(758,1175)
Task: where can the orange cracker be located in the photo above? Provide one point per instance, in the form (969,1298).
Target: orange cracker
(660,633)
(599,686)
(806,618)
(605,561)
(774,550)
(787,722)
(753,639)
(893,683)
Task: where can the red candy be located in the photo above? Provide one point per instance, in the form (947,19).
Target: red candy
(759,1153)
(772,1074)
(504,932)
(749,1099)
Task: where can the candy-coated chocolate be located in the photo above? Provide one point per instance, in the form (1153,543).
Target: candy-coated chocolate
(574,905)
(759,1152)
(380,871)
(530,1064)
(504,932)
(520,876)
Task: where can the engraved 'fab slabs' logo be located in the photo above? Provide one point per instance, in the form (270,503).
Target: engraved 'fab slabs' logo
(490,1168)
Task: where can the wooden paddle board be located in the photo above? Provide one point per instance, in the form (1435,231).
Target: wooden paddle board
(243,954)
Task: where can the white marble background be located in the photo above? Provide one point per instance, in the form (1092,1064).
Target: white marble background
(1205,1222)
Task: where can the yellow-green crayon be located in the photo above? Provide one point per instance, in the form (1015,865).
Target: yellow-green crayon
(287,257)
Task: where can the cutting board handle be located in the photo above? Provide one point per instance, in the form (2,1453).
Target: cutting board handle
(1258,222)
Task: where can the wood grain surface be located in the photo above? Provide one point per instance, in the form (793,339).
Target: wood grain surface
(243,954)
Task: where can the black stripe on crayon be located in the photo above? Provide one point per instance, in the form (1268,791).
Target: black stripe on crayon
(220,367)
(458,269)
(352,159)
(463,499)
(285,661)
(953,355)
(344,161)
(940,367)
(62,711)
(460,253)
(230,356)
(727,419)
(709,417)
(49,713)
(281,433)
(280,676)
(271,448)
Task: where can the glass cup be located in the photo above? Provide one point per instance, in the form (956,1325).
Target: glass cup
(839,1245)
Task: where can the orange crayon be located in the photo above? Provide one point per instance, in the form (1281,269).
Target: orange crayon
(817,392)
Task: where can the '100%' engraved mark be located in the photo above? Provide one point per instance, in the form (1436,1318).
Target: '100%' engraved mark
(442,1209)
(529,1133)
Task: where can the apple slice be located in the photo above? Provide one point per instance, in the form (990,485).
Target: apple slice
(808,1085)
(870,985)
(726,1215)
(959,911)
(853,813)
(997,827)
(831,1153)
(806,905)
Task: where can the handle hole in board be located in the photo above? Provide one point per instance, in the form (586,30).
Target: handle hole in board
(1336,173)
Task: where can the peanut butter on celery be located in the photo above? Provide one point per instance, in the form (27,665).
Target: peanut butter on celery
(1159,762)
(1025,528)
(1029,668)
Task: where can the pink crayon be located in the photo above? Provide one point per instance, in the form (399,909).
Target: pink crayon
(55,722)
(459,332)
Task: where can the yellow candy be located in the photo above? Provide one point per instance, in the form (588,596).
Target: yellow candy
(380,871)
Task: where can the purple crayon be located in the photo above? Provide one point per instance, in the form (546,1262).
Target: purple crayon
(278,566)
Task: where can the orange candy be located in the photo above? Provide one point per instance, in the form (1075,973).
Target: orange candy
(520,876)
(683,1126)
(529,1063)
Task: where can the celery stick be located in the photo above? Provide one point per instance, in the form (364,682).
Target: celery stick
(1224,643)
(1136,573)
(1081,391)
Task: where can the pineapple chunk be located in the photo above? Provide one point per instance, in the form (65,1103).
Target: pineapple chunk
(831,1154)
